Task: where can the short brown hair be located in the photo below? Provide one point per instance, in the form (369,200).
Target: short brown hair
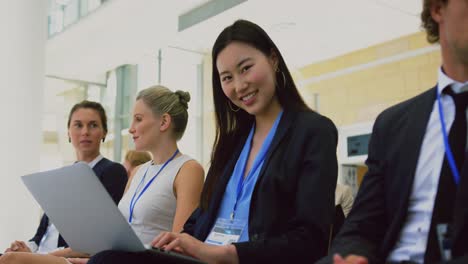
(428,23)
(136,158)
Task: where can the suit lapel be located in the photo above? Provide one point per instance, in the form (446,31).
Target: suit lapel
(461,210)
(286,121)
(222,184)
(99,167)
(417,119)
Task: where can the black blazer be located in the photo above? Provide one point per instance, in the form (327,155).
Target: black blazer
(380,209)
(292,203)
(114,178)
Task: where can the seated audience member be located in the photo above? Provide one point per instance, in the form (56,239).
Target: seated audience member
(87,128)
(132,160)
(344,198)
(273,168)
(343,204)
(412,204)
(174,180)
(164,191)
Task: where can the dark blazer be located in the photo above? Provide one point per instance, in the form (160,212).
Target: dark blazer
(114,178)
(292,204)
(380,209)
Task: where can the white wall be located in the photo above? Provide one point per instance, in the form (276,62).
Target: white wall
(22,43)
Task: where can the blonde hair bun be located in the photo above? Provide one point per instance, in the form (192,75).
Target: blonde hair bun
(184,98)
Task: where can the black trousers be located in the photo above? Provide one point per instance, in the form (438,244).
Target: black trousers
(403,262)
(122,257)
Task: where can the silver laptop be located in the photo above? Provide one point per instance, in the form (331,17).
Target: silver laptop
(85,215)
(82,210)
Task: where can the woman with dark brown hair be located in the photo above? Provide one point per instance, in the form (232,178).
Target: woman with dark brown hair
(87,129)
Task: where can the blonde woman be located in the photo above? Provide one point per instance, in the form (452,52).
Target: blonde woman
(164,191)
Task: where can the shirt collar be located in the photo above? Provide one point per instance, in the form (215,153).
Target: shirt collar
(95,161)
(445,81)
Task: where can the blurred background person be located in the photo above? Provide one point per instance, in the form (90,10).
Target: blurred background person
(344,198)
(132,160)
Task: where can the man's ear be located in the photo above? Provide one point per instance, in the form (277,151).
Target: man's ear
(165,122)
(436,11)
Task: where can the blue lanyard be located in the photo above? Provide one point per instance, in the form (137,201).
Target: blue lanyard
(134,201)
(258,160)
(448,150)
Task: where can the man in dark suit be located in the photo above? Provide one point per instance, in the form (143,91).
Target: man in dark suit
(414,189)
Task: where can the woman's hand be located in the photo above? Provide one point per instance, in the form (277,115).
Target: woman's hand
(68,253)
(351,259)
(181,243)
(18,246)
(78,260)
(188,245)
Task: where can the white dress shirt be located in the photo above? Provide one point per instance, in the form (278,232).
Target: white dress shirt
(412,241)
(50,239)
(344,197)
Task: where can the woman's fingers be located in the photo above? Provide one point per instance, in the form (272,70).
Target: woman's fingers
(173,244)
(165,239)
(181,243)
(14,246)
(337,259)
(157,239)
(78,260)
(179,250)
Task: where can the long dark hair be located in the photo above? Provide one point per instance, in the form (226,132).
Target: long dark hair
(233,126)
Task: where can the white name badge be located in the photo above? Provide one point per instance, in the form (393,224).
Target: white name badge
(226,231)
(445,241)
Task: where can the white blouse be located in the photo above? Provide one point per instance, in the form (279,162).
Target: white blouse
(155,210)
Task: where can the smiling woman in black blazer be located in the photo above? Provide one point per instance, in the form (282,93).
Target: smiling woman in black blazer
(273,168)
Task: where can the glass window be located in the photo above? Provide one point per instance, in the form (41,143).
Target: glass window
(55,19)
(94,93)
(71,12)
(93,4)
(63,13)
(108,99)
(180,70)
(84,8)
(147,72)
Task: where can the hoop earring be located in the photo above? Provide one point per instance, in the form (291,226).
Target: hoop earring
(103,139)
(232,109)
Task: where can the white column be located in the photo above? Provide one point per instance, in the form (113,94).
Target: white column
(23,25)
